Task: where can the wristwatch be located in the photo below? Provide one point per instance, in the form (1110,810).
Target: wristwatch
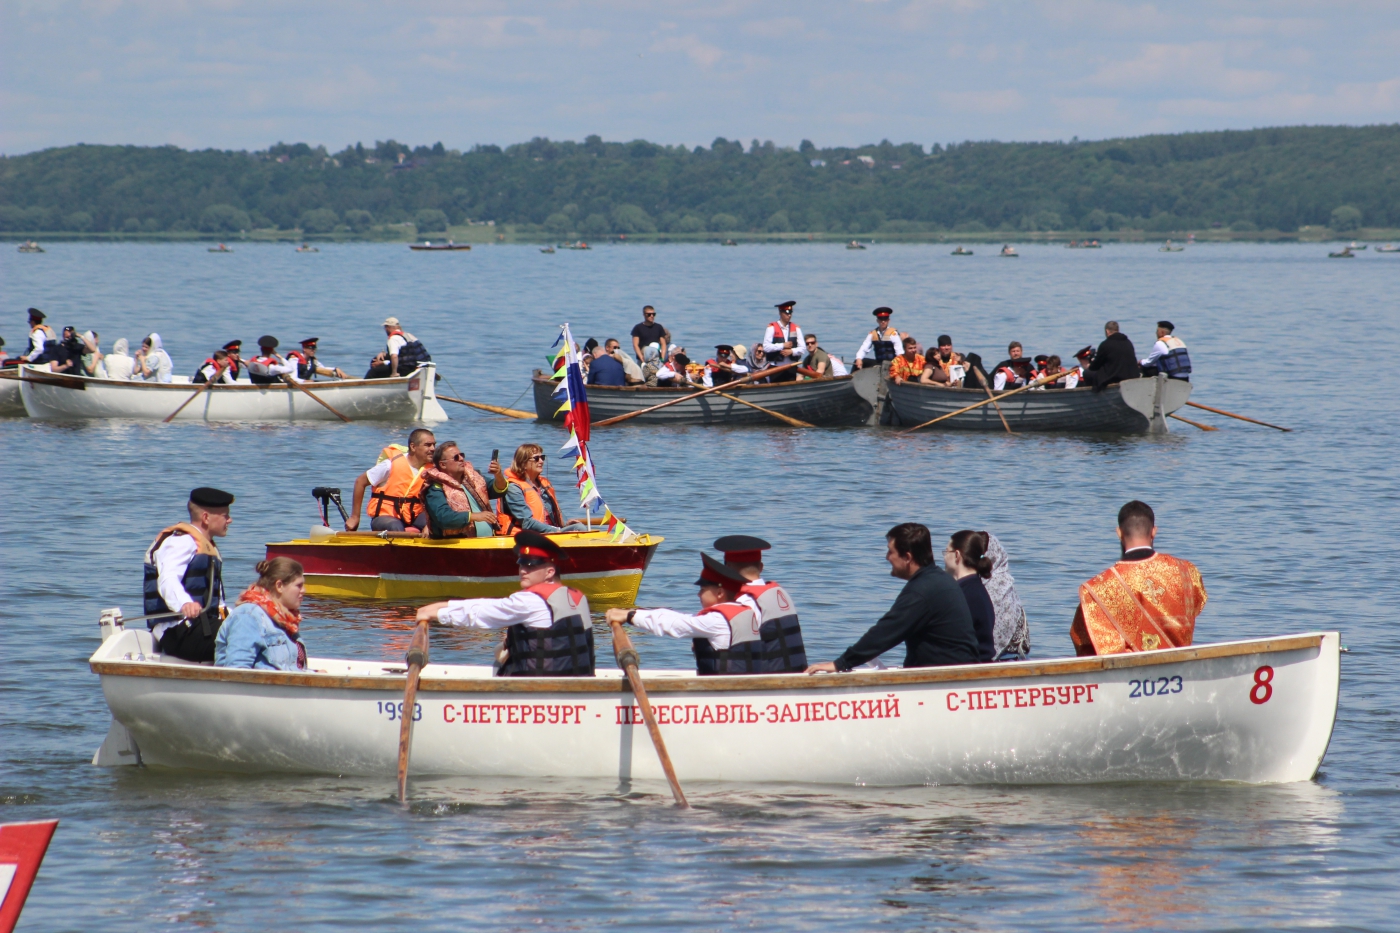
(630,614)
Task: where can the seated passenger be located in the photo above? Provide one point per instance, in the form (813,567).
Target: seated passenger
(455,496)
(631,369)
(724,368)
(1014,371)
(965,558)
(549,632)
(152,363)
(261,631)
(930,616)
(1068,381)
(945,366)
(1011,634)
(908,365)
(402,354)
(655,370)
(525,498)
(90,363)
(728,636)
(269,366)
(757,361)
(118,363)
(396,480)
(606,368)
(817,363)
(215,369)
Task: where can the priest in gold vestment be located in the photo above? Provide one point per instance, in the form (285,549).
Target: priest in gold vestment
(1146,601)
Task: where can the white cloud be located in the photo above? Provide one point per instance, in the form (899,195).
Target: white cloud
(698,51)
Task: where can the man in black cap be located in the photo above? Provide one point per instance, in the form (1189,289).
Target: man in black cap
(182,582)
(549,632)
(1168,355)
(930,616)
(268,367)
(1114,361)
(42,341)
(725,634)
(234,349)
(781,633)
(783,342)
(723,368)
(308,367)
(883,343)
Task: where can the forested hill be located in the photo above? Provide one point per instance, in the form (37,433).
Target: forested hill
(1276,179)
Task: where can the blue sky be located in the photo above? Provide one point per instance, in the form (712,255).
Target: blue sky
(241,74)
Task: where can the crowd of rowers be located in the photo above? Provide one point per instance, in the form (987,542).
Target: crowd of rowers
(965,612)
(77,353)
(793,355)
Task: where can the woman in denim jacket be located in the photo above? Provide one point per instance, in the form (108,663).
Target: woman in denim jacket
(261,631)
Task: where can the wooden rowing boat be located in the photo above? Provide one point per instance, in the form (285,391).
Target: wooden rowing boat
(1259,711)
(11,402)
(439,247)
(363,565)
(61,397)
(1134,406)
(822,402)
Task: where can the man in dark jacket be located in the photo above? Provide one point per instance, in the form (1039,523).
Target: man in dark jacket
(930,616)
(1115,360)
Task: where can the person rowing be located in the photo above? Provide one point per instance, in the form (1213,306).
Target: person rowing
(308,367)
(777,613)
(548,628)
(216,369)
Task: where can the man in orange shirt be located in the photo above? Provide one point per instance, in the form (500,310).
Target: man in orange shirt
(910,365)
(1146,601)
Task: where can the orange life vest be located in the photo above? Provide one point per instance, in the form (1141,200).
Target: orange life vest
(400,496)
(509,525)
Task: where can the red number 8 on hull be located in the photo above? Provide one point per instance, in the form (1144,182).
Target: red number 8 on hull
(1262,689)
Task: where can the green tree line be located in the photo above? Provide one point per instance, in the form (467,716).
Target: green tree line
(1267,179)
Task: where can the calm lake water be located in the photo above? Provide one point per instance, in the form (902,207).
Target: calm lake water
(1292,532)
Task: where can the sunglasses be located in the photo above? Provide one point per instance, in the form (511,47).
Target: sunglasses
(530,563)
(539,457)
(459,457)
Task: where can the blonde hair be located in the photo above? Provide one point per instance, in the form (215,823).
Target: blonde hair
(278,570)
(523,453)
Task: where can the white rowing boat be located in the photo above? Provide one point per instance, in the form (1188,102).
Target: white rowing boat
(61,397)
(11,404)
(1256,711)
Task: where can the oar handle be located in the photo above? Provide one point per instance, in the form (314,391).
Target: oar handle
(417,658)
(694,395)
(629,662)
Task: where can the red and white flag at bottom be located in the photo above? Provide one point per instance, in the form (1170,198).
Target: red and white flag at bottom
(22,848)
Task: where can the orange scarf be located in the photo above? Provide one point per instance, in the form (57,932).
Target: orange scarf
(282,617)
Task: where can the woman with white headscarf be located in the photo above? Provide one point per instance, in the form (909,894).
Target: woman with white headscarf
(91,361)
(1011,633)
(152,362)
(118,363)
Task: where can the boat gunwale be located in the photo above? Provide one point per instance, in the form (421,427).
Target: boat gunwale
(683,392)
(694,684)
(66,381)
(495,542)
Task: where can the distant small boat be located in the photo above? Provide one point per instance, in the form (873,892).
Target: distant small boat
(221,248)
(729,243)
(1353,246)
(546,249)
(855,245)
(1168,248)
(1346,253)
(307,248)
(1010,252)
(579,245)
(1388,248)
(431,247)
(30,247)
(961,252)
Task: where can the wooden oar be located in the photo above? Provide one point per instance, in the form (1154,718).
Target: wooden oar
(983,379)
(767,411)
(1049,377)
(1230,414)
(512,412)
(314,397)
(417,658)
(197,393)
(627,660)
(1194,424)
(685,398)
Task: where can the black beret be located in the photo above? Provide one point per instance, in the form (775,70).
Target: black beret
(1166,325)
(534,544)
(211,498)
(36,314)
(267,340)
(785,305)
(944,340)
(718,573)
(882,310)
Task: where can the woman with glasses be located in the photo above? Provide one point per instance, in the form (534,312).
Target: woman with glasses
(527,498)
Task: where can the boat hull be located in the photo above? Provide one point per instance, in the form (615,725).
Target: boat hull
(1136,406)
(369,567)
(58,397)
(822,402)
(11,402)
(1254,712)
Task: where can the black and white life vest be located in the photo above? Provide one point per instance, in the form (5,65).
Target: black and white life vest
(773,646)
(886,347)
(202,579)
(412,354)
(565,649)
(1176,362)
